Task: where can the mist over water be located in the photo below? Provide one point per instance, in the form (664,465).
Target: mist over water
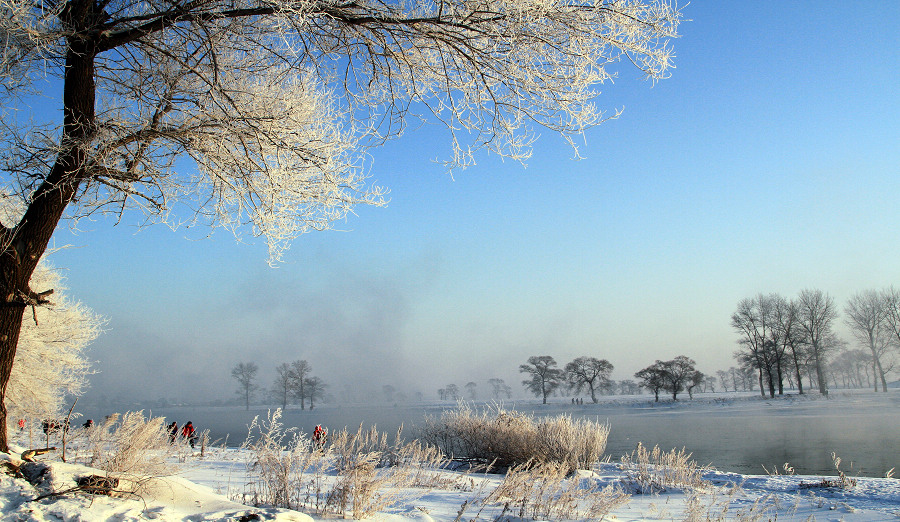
(737,435)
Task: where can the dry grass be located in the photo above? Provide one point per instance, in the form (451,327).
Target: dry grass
(280,460)
(506,439)
(842,482)
(656,471)
(357,474)
(712,507)
(130,445)
(546,491)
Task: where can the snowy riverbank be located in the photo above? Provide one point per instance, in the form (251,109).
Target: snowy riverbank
(209,488)
(223,483)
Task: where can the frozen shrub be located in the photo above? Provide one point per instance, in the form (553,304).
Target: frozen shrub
(130,446)
(503,439)
(547,492)
(655,471)
(279,462)
(357,474)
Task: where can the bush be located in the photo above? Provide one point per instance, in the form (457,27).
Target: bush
(131,449)
(356,473)
(280,462)
(546,492)
(503,439)
(656,471)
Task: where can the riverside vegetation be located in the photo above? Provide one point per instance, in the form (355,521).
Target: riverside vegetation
(543,464)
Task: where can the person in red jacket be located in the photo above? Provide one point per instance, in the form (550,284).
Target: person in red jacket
(189,434)
(319,435)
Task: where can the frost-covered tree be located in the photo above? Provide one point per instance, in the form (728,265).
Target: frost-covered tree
(678,374)
(51,362)
(653,378)
(451,392)
(816,315)
(256,114)
(628,387)
(244,373)
(545,377)
(590,373)
(760,345)
(315,389)
(793,338)
(867,316)
(695,379)
(472,390)
(300,373)
(283,384)
(499,388)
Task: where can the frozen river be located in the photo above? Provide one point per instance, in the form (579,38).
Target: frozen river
(740,434)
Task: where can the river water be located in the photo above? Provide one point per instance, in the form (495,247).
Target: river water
(730,433)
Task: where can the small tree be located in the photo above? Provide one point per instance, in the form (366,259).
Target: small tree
(300,370)
(452,392)
(499,389)
(678,373)
(653,378)
(816,315)
(472,390)
(695,379)
(388,391)
(315,389)
(283,384)
(544,377)
(628,387)
(244,373)
(723,379)
(867,317)
(590,373)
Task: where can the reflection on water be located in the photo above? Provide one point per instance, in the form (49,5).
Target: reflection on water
(730,437)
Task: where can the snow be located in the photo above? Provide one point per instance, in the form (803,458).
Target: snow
(197,494)
(214,486)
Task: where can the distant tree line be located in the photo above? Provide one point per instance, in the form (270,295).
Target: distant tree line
(783,343)
(583,373)
(793,340)
(293,383)
(675,376)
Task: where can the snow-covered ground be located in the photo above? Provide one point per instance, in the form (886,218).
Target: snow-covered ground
(202,489)
(219,485)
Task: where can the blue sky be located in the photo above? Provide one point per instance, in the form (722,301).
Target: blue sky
(768,162)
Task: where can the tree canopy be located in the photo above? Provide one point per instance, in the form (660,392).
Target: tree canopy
(255,115)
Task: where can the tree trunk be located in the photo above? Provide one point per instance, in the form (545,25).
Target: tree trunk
(876,368)
(797,369)
(24,244)
(881,375)
(780,376)
(10,325)
(820,373)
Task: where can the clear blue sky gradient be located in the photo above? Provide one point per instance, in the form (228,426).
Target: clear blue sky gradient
(768,162)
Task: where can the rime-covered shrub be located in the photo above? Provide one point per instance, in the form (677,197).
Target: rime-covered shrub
(356,473)
(130,446)
(504,439)
(655,471)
